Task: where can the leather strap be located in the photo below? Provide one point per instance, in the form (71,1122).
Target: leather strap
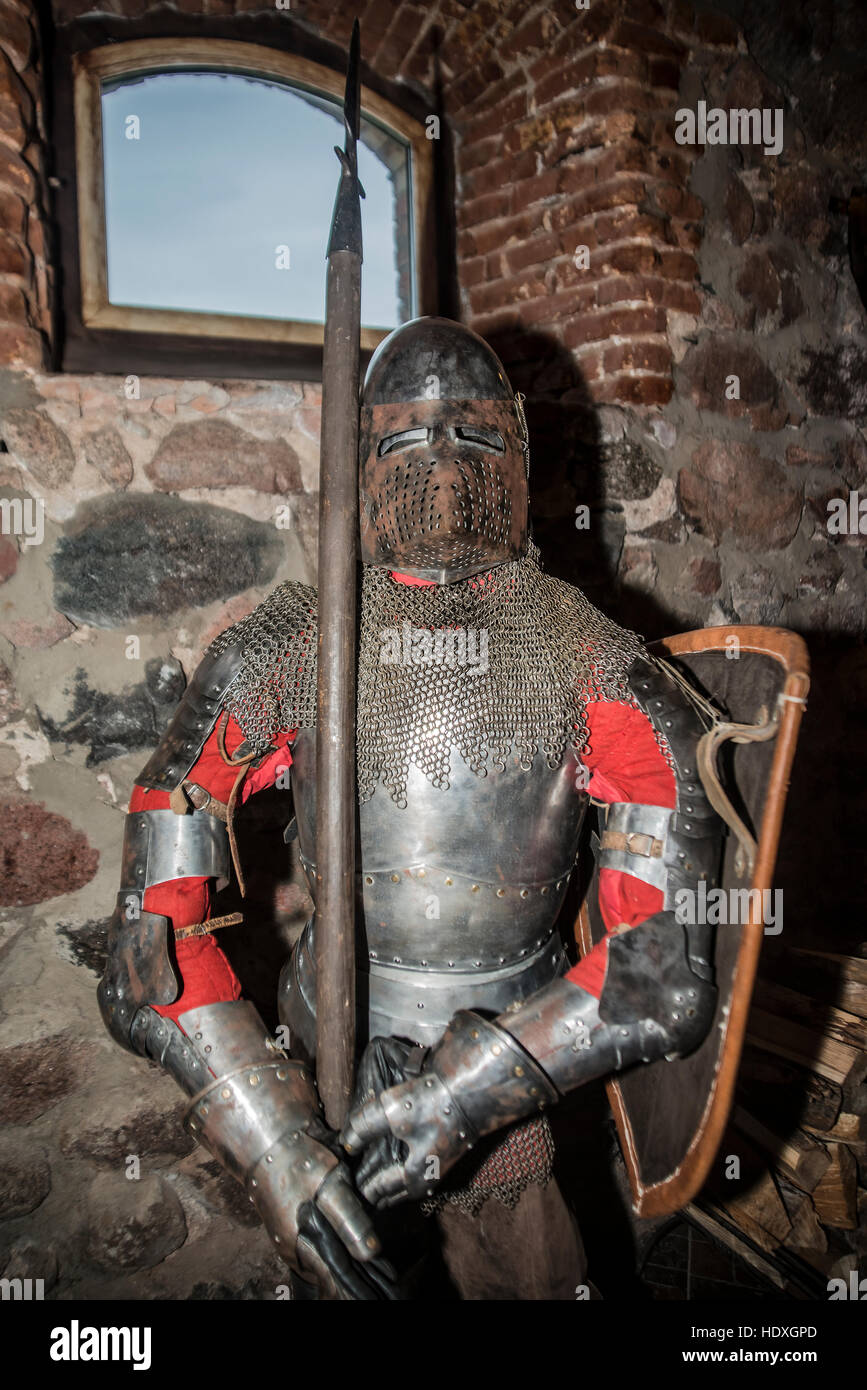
(706,755)
(633,843)
(230,919)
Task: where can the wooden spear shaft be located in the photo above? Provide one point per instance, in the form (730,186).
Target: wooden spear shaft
(338,558)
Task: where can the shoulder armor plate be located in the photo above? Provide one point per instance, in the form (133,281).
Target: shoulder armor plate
(193,720)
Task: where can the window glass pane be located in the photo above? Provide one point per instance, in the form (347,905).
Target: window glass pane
(207,174)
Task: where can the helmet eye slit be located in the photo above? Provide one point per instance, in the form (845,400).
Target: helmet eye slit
(393,443)
(485,439)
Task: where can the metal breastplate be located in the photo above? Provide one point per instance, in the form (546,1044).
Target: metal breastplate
(458,892)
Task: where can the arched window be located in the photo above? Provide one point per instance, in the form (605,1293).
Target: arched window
(205,181)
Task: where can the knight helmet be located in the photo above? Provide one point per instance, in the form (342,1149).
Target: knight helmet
(443,455)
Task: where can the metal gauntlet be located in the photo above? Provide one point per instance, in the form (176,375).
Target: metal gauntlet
(485,1075)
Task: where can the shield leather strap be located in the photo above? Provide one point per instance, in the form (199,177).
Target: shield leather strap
(671,1115)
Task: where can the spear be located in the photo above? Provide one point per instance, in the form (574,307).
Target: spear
(338,551)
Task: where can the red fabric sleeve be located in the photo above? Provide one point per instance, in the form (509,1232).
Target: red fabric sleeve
(206,975)
(626,764)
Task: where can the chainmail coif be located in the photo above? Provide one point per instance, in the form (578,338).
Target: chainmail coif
(497,664)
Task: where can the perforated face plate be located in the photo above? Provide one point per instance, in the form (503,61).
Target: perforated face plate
(443,487)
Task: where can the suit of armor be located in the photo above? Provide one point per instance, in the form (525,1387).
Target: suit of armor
(474,1021)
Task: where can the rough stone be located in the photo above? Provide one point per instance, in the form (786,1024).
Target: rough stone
(9,706)
(8,558)
(638,568)
(767,284)
(132,1224)
(39,444)
(106,452)
(796,457)
(118,1124)
(25,1177)
(41,854)
(672,531)
(820,576)
(732,487)
(86,942)
(704,576)
(116,723)
(835,381)
(21,632)
(131,556)
(215,454)
(755,596)
(32,1259)
(739,211)
(851,461)
(707,368)
(628,472)
(34,1076)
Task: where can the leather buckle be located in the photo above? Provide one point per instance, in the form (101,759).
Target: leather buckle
(639,843)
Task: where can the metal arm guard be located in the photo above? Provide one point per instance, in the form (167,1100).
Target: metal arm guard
(193,720)
(484,1075)
(258,1113)
(158,846)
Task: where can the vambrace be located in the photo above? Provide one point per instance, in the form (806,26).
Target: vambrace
(158,846)
(483,1075)
(258,1113)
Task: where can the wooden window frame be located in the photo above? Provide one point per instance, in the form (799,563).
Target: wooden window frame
(185,343)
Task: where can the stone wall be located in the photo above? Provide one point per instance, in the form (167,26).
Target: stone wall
(172,506)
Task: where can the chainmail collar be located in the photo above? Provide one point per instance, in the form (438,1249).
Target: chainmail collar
(489,667)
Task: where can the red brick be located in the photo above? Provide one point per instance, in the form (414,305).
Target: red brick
(678,265)
(647,12)
(589,363)
(618,289)
(498,173)
(595,22)
(638,356)
(551,308)
(16,35)
(472,272)
(664,73)
(717,30)
(603,197)
(485,208)
(15,173)
(502,294)
(678,203)
(502,321)
(622,323)
(13,305)
(539,250)
(634,390)
(688,235)
(471,156)
(495,235)
(495,121)
(471,84)
(681,16)
(534,33)
(531,190)
(14,259)
(632,258)
(12,211)
(567,77)
(645,40)
(21,347)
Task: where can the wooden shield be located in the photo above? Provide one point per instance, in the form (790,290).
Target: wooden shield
(671,1115)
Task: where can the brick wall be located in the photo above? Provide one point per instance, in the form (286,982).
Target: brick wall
(26,277)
